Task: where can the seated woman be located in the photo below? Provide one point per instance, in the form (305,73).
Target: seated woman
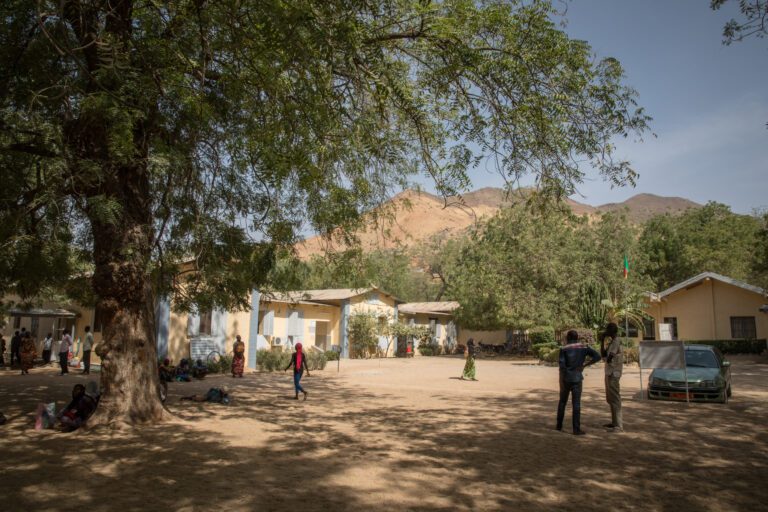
(199,370)
(82,406)
(182,371)
(166,371)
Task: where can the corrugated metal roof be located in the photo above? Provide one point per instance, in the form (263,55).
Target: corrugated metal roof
(328,295)
(711,275)
(43,312)
(445,307)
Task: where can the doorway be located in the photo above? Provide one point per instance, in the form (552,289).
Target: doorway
(321,334)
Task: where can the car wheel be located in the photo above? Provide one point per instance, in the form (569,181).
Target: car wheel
(729,392)
(723,398)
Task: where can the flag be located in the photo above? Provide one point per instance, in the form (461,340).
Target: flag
(626,266)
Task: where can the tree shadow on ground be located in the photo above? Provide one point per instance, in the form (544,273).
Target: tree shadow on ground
(352,449)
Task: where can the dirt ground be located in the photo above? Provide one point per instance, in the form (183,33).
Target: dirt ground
(395,435)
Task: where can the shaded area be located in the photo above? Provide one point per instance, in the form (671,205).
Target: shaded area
(358,444)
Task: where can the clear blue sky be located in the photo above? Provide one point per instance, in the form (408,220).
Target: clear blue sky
(709,101)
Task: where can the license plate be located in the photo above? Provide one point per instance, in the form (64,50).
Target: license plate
(679,395)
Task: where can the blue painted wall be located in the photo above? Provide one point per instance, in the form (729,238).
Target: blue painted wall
(344,323)
(163,319)
(253,328)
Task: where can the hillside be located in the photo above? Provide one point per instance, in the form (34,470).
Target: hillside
(417,216)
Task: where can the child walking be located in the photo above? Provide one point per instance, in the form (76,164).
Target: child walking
(299,363)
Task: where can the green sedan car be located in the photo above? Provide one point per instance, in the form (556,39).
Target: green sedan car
(709,377)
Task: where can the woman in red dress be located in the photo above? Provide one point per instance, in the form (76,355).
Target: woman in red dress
(238,360)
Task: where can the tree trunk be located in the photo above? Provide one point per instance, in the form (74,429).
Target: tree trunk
(122,251)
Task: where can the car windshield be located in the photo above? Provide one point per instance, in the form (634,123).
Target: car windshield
(700,359)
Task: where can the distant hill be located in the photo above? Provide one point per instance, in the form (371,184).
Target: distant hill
(417,216)
(644,206)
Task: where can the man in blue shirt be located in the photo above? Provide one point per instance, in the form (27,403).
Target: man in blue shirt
(574,357)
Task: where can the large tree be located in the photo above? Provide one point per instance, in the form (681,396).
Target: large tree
(139,134)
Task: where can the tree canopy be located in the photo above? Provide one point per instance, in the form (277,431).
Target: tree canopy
(136,135)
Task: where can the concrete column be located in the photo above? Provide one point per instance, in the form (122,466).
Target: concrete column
(163,319)
(343,337)
(253,331)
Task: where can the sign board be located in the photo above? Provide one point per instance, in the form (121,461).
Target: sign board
(665,332)
(662,354)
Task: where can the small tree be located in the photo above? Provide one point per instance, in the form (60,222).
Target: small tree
(363,334)
(394,330)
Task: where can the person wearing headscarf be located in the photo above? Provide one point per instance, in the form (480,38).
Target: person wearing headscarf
(28,353)
(469,372)
(299,363)
(182,371)
(238,359)
(81,407)
(199,370)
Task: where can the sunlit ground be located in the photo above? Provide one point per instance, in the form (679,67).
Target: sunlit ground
(395,435)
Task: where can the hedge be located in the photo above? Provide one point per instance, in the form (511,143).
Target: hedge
(733,346)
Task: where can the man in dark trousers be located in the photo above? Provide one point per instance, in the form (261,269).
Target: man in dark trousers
(15,348)
(574,357)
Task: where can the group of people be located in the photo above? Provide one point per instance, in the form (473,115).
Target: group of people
(181,373)
(573,358)
(23,350)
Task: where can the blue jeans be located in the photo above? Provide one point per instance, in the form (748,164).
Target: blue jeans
(297,382)
(570,388)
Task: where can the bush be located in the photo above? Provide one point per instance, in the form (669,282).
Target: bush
(539,349)
(316,360)
(550,355)
(429,349)
(631,355)
(540,335)
(425,350)
(734,346)
(223,365)
(332,355)
(272,360)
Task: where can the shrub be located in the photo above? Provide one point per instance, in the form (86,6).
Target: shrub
(316,360)
(223,365)
(631,355)
(550,355)
(425,350)
(540,335)
(734,346)
(539,349)
(332,355)
(363,338)
(272,360)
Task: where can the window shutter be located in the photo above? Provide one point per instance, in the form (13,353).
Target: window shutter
(269,323)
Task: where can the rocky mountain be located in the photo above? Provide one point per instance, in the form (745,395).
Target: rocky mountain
(415,216)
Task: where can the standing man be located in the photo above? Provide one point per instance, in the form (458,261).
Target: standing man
(64,346)
(614,362)
(87,346)
(573,360)
(47,346)
(2,351)
(15,348)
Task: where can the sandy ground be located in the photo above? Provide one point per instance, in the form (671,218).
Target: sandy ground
(395,435)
